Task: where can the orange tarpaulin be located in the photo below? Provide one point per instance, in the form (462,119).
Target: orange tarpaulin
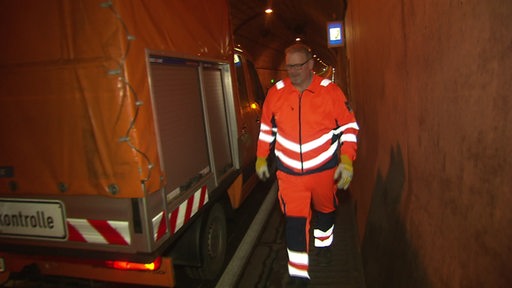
(75,107)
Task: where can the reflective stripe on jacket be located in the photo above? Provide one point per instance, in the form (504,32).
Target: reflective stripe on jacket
(308,128)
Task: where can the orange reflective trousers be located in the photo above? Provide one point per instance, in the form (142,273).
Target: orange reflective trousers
(297,195)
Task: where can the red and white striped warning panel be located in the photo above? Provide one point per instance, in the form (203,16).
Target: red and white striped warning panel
(159,226)
(118,232)
(187,209)
(99,231)
(181,214)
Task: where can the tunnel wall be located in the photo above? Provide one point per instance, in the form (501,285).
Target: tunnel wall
(430,83)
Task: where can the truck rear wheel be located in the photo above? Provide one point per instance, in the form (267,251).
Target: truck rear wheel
(213,245)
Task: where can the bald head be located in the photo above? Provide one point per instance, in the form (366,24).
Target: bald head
(299,48)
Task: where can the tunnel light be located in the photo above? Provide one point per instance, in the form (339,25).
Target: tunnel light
(269,10)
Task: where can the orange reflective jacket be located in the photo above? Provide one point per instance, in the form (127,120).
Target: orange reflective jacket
(307,128)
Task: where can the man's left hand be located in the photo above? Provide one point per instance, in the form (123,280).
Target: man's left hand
(344,172)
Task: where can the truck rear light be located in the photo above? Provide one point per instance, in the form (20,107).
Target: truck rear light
(126,265)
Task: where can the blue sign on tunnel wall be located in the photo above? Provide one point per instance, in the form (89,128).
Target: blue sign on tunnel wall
(334,34)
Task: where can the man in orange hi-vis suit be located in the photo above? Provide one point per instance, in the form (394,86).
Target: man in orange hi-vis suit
(309,121)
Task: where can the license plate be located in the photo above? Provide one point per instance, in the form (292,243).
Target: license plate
(32,218)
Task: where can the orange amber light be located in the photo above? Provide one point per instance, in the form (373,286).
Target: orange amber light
(126,265)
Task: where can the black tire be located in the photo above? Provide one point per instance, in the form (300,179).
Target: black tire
(213,245)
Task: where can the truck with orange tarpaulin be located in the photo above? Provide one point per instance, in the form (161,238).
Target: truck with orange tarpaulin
(128,131)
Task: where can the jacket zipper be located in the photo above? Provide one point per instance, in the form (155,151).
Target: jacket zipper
(300,132)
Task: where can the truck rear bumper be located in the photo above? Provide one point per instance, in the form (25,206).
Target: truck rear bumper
(14,263)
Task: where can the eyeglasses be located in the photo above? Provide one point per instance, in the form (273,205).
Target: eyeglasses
(296,66)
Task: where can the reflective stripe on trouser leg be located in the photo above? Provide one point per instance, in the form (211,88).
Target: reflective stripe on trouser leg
(297,246)
(323,238)
(298,264)
(324,229)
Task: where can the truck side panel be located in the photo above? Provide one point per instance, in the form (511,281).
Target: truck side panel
(83,95)
(120,122)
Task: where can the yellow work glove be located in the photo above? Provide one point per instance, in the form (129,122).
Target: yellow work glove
(344,172)
(262,168)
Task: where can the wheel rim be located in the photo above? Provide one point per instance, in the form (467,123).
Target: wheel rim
(214,240)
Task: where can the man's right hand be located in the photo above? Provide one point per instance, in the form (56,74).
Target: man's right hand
(262,168)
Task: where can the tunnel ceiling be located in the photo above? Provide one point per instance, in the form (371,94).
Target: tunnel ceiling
(265,36)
